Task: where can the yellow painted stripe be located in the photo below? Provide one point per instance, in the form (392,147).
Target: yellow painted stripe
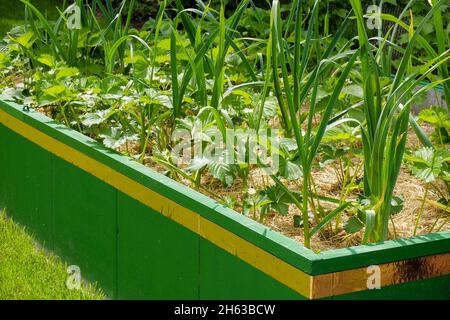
(241,248)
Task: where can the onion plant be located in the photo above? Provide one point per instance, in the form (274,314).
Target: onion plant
(443,43)
(204,62)
(292,94)
(384,131)
(431,53)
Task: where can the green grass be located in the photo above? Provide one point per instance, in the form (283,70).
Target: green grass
(13,12)
(28,272)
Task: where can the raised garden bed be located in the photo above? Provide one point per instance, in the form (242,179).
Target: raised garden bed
(142,235)
(301,116)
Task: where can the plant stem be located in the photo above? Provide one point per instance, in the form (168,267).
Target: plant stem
(421,209)
(393,227)
(307,240)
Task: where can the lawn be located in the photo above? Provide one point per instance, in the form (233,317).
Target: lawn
(29,272)
(11,16)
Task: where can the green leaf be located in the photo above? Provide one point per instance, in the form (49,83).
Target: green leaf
(67,72)
(164,44)
(291,170)
(270,107)
(55,90)
(329,217)
(288,145)
(397,204)
(370,224)
(26,40)
(353,225)
(279,200)
(197,163)
(281,208)
(95,118)
(354,90)
(246,97)
(154,97)
(221,171)
(114,137)
(342,133)
(12,94)
(4,59)
(426,163)
(436,116)
(47,59)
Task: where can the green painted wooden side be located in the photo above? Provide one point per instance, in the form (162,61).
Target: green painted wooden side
(157,258)
(26,172)
(85,223)
(223,276)
(136,253)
